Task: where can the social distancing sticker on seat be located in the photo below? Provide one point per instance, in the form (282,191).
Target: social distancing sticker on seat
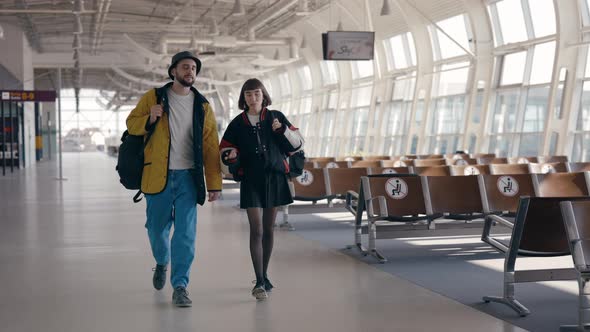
(388,171)
(507,185)
(305,179)
(470,170)
(547,168)
(396,188)
(332,165)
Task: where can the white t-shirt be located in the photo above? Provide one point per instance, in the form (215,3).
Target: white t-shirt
(254,119)
(181,130)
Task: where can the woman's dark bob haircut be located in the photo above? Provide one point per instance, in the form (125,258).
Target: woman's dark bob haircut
(253,84)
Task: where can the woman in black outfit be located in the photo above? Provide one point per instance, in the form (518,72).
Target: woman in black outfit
(250,147)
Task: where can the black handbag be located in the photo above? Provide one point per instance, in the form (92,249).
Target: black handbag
(296,164)
(294,154)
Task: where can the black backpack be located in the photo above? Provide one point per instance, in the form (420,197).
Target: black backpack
(295,156)
(296,164)
(130,159)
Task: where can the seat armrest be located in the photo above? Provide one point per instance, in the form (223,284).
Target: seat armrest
(382,207)
(501,220)
(487,228)
(581,255)
(352,201)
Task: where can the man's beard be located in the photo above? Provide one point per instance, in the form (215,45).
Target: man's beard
(184,82)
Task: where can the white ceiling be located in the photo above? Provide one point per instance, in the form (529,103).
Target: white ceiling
(127,33)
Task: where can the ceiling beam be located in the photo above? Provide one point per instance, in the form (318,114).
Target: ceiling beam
(105,60)
(42,11)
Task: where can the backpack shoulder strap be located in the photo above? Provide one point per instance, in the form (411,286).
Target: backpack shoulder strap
(158,95)
(136,198)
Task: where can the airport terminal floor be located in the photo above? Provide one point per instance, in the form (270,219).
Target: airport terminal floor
(74,256)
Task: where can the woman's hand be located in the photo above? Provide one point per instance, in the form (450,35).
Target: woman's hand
(232,154)
(276,125)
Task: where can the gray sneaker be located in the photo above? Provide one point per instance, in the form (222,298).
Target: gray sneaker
(180,297)
(159,279)
(287,225)
(259,292)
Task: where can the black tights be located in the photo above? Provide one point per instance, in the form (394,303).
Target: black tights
(261,238)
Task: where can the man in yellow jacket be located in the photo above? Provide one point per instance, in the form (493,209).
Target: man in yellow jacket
(181,151)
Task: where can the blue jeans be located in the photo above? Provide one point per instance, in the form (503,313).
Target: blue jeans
(177,205)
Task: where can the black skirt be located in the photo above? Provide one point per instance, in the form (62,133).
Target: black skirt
(264,190)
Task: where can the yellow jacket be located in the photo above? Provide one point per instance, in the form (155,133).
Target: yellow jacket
(205,143)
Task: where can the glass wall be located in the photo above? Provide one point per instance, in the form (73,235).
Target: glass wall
(358,113)
(330,73)
(362,69)
(400,51)
(450,37)
(396,116)
(520,105)
(93,124)
(446,118)
(327,116)
(510,20)
(581,143)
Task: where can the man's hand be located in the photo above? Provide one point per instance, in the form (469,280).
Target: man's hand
(214,195)
(155,112)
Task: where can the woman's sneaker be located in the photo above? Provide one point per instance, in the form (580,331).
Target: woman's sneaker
(267,285)
(259,292)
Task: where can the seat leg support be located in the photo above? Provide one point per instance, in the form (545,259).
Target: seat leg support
(583,306)
(508,298)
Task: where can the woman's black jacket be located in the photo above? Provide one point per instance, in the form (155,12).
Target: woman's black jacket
(258,147)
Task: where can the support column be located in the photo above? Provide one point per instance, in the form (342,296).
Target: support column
(49,130)
(38,133)
(566,58)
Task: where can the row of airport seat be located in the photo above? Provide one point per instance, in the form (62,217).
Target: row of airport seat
(328,183)
(534,207)
(419,163)
(487,158)
(392,198)
(529,205)
(403,157)
(546,227)
(465,169)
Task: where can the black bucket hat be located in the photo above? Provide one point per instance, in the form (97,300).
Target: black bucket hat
(181,56)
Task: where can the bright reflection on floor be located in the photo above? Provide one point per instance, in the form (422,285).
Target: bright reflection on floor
(522,263)
(336,216)
(443,240)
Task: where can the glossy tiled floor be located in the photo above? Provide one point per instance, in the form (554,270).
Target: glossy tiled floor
(74,256)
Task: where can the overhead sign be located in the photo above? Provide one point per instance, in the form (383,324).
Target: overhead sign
(348,45)
(28,95)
